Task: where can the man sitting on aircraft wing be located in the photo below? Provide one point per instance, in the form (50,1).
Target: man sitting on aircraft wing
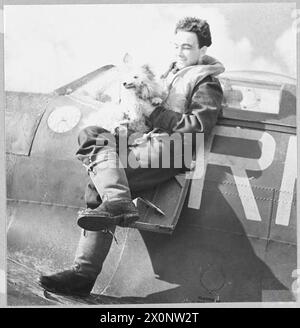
(194,103)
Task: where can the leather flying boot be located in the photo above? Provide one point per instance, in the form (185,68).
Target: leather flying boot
(91,252)
(68,282)
(111,183)
(107,215)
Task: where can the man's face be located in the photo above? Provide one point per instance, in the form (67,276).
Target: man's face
(187,51)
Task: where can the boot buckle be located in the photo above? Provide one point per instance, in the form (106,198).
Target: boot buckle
(90,167)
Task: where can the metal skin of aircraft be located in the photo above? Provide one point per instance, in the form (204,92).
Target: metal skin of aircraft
(235,240)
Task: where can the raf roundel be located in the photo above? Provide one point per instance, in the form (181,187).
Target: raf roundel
(64,118)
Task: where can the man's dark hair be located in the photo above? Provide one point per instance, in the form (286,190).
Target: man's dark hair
(198,26)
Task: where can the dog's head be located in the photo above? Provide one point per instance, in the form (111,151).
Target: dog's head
(141,79)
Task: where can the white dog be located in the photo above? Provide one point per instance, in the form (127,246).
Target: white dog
(140,91)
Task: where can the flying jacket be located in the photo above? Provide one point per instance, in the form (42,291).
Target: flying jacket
(194,99)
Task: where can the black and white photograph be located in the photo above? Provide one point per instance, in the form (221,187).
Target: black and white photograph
(151,154)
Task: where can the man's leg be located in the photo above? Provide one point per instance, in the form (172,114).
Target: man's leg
(159,159)
(98,152)
(94,246)
(115,207)
(91,252)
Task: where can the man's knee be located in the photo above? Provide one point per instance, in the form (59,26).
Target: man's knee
(91,140)
(90,133)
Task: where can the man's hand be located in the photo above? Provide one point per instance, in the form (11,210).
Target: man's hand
(156,101)
(146,108)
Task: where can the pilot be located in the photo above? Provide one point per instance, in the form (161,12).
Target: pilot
(192,106)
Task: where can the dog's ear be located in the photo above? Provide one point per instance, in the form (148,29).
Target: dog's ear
(149,71)
(147,68)
(127,59)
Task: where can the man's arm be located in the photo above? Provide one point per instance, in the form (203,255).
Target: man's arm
(202,113)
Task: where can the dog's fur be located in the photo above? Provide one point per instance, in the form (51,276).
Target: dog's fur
(140,92)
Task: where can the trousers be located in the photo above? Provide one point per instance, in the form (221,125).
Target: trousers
(146,164)
(155,160)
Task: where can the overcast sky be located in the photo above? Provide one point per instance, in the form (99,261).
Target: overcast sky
(49,46)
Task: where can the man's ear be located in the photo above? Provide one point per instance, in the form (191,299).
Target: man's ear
(203,51)
(127,59)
